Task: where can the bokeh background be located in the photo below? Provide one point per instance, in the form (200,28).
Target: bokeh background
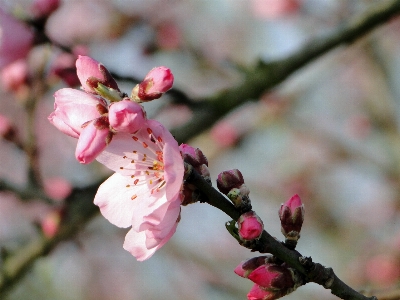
(330,133)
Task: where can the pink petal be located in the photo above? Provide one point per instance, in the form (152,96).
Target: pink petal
(126,116)
(87,67)
(92,141)
(135,243)
(72,108)
(114,200)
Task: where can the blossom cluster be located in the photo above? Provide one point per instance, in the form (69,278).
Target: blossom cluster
(145,190)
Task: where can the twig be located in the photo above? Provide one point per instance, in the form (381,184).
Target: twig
(268,244)
(80,211)
(268,75)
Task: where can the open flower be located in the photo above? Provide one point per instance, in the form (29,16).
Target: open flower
(145,190)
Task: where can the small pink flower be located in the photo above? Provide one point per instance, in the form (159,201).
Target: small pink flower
(291,215)
(94,138)
(250,226)
(157,81)
(248,266)
(43,8)
(145,190)
(91,72)
(126,116)
(15,39)
(73,108)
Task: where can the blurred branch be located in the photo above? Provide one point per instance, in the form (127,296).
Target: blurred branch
(27,193)
(313,272)
(265,76)
(80,210)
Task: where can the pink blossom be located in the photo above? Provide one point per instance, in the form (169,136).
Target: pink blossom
(157,81)
(250,226)
(72,108)
(51,223)
(15,39)
(126,116)
(90,72)
(57,188)
(6,126)
(145,190)
(14,75)
(43,8)
(94,137)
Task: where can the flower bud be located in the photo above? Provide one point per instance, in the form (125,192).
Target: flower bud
(258,293)
(94,137)
(157,81)
(248,266)
(7,129)
(91,73)
(16,39)
(291,215)
(250,226)
(126,116)
(228,180)
(193,156)
(43,8)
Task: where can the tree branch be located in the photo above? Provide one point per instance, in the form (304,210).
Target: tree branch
(265,76)
(268,244)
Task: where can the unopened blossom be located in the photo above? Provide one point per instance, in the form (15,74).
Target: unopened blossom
(94,138)
(91,72)
(73,108)
(7,129)
(16,39)
(43,8)
(291,215)
(258,293)
(228,180)
(14,75)
(145,190)
(57,188)
(158,81)
(248,266)
(126,116)
(250,226)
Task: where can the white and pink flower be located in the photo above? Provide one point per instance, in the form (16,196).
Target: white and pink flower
(145,191)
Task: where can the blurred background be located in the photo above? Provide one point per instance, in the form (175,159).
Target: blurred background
(330,133)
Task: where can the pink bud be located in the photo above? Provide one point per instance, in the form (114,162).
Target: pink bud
(90,72)
(14,75)
(248,266)
(193,156)
(157,81)
(258,293)
(51,223)
(126,116)
(57,188)
(43,8)
(291,215)
(94,138)
(16,39)
(228,180)
(7,130)
(250,226)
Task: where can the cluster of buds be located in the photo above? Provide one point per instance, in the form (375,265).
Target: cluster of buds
(291,215)
(101,110)
(231,184)
(272,279)
(196,159)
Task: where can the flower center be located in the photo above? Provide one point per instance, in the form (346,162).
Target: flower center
(146,164)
